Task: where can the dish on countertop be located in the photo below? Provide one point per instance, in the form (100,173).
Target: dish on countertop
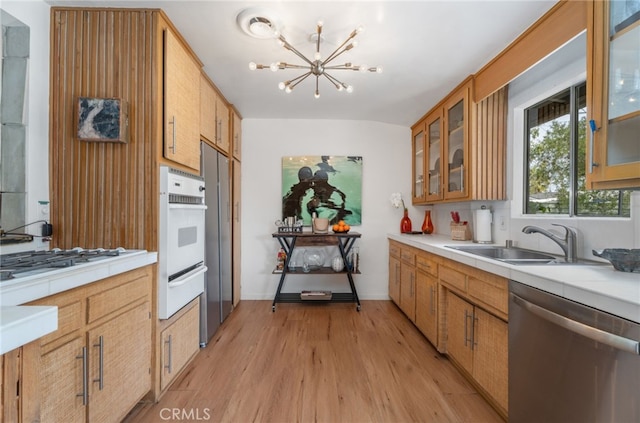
(622,259)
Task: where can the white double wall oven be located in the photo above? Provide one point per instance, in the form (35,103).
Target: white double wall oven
(181,269)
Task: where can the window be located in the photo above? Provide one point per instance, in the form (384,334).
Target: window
(555,156)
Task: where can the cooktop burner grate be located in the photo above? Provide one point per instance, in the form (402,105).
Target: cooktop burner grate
(28,261)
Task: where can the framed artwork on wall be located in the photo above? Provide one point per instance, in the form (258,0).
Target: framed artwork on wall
(330,186)
(102,119)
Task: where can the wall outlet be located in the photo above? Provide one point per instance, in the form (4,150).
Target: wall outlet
(43,210)
(502,223)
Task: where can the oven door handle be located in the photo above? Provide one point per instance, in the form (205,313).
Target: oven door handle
(187,277)
(607,338)
(187,206)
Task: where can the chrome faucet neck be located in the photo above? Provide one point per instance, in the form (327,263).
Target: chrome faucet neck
(568,243)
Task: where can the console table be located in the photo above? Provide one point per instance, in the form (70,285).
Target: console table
(290,240)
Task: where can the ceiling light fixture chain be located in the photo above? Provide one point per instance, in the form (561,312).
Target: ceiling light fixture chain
(317,67)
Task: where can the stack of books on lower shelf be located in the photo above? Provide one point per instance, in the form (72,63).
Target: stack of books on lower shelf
(315,295)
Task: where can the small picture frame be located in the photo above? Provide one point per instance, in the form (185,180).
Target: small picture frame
(103,120)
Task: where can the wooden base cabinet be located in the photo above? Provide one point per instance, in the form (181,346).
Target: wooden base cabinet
(97,365)
(427,304)
(394,272)
(475,333)
(408,282)
(180,342)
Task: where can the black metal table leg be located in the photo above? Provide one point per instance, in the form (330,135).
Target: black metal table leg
(288,248)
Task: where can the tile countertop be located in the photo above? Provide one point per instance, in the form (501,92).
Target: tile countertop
(599,286)
(20,324)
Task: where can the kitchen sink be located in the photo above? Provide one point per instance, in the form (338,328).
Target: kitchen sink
(514,255)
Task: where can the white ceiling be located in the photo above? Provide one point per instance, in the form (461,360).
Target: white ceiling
(425,48)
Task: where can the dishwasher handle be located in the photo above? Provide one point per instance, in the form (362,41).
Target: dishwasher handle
(610,339)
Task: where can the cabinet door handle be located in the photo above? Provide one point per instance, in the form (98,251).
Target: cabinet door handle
(172,122)
(461,177)
(100,346)
(474,342)
(219,131)
(592,132)
(467,316)
(412,286)
(237,211)
(397,273)
(85,392)
(168,365)
(432,296)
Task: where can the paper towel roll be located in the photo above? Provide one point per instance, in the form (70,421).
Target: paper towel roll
(482,226)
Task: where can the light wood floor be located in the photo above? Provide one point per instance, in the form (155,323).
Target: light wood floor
(319,363)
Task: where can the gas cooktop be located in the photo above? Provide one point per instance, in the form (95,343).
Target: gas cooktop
(15,264)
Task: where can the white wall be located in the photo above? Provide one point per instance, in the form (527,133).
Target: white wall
(35,14)
(386,153)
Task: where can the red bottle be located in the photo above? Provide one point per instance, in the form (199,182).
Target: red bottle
(405,223)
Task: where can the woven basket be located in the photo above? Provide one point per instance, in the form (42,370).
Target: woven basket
(460,232)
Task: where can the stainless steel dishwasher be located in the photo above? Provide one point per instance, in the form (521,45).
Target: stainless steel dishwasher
(569,362)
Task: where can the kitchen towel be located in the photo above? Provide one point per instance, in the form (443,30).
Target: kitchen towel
(482,226)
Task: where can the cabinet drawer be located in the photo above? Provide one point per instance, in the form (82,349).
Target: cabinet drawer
(408,256)
(453,278)
(394,249)
(426,265)
(491,290)
(134,285)
(69,320)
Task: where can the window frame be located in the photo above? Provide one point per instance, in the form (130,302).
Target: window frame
(573,90)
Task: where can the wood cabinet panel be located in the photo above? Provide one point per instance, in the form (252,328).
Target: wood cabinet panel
(236,134)
(394,249)
(560,24)
(236,231)
(453,278)
(491,291)
(459,318)
(394,279)
(100,53)
(207,110)
(426,264)
(63,383)
(110,300)
(180,342)
(427,305)
(491,357)
(120,356)
(223,139)
(408,290)
(181,103)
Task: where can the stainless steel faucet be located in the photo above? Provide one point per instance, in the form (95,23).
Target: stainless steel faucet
(568,243)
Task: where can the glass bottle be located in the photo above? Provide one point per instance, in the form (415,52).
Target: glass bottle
(405,223)
(427,224)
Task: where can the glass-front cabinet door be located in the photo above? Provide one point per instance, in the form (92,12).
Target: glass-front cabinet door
(434,164)
(418,188)
(456,160)
(613,148)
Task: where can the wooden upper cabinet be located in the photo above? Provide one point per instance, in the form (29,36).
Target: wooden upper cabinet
(208,99)
(613,96)
(418,166)
(222,125)
(463,147)
(181,103)
(455,152)
(236,135)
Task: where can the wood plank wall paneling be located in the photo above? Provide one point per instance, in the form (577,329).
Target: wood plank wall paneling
(560,24)
(489,152)
(103,194)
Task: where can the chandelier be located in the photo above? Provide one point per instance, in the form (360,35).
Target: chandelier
(318,66)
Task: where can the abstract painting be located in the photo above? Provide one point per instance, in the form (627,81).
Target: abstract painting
(102,119)
(330,186)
